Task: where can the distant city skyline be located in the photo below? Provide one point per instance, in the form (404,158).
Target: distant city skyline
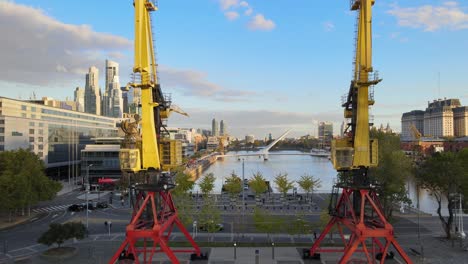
(53,43)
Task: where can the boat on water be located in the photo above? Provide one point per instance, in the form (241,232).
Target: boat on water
(320,152)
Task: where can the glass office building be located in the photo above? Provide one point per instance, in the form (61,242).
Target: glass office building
(56,135)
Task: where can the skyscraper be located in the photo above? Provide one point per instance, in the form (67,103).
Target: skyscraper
(112,103)
(116,100)
(92,92)
(222,128)
(80,98)
(214,128)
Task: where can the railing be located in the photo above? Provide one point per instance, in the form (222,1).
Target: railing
(344,99)
(371,93)
(167,99)
(371,119)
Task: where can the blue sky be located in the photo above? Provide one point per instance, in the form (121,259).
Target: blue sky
(262,66)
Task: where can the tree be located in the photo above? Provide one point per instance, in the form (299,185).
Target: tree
(443,176)
(258,185)
(308,183)
(283,184)
(182,198)
(59,233)
(392,173)
(210,217)
(324,220)
(23,182)
(207,184)
(266,222)
(233,186)
(299,225)
(184,184)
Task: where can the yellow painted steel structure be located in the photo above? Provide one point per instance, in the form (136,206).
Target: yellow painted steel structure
(357,150)
(170,153)
(146,69)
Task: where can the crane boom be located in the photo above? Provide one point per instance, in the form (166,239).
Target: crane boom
(357,150)
(146,68)
(358,208)
(154,212)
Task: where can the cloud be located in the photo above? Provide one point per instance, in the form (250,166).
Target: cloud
(259,22)
(232,12)
(432,18)
(328,26)
(226,4)
(195,83)
(231,15)
(38,49)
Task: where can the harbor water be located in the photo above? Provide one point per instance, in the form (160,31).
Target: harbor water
(294,163)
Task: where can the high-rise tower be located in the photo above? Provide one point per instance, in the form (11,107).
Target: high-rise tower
(214,128)
(92,92)
(112,104)
(79,98)
(222,128)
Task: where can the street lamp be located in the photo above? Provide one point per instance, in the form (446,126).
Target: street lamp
(272,250)
(243,194)
(243,188)
(86,193)
(109,225)
(235,250)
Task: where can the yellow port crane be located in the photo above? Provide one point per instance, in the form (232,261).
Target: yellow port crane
(154,212)
(357,208)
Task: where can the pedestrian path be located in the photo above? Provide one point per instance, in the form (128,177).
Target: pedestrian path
(51,208)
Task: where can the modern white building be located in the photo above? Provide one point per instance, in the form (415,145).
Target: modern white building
(92,92)
(112,100)
(116,99)
(104,158)
(79,97)
(56,135)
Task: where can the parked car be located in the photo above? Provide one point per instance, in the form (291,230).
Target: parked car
(203,227)
(101,205)
(76,208)
(90,206)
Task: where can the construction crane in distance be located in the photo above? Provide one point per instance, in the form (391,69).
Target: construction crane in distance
(358,208)
(154,213)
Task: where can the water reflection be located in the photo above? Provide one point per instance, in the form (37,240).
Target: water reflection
(294,165)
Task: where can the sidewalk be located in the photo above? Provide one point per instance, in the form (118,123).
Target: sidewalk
(67,187)
(99,249)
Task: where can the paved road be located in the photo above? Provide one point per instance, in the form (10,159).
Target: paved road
(21,240)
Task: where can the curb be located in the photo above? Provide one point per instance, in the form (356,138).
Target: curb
(60,257)
(24,221)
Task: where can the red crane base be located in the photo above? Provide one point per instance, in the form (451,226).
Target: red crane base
(144,236)
(368,229)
